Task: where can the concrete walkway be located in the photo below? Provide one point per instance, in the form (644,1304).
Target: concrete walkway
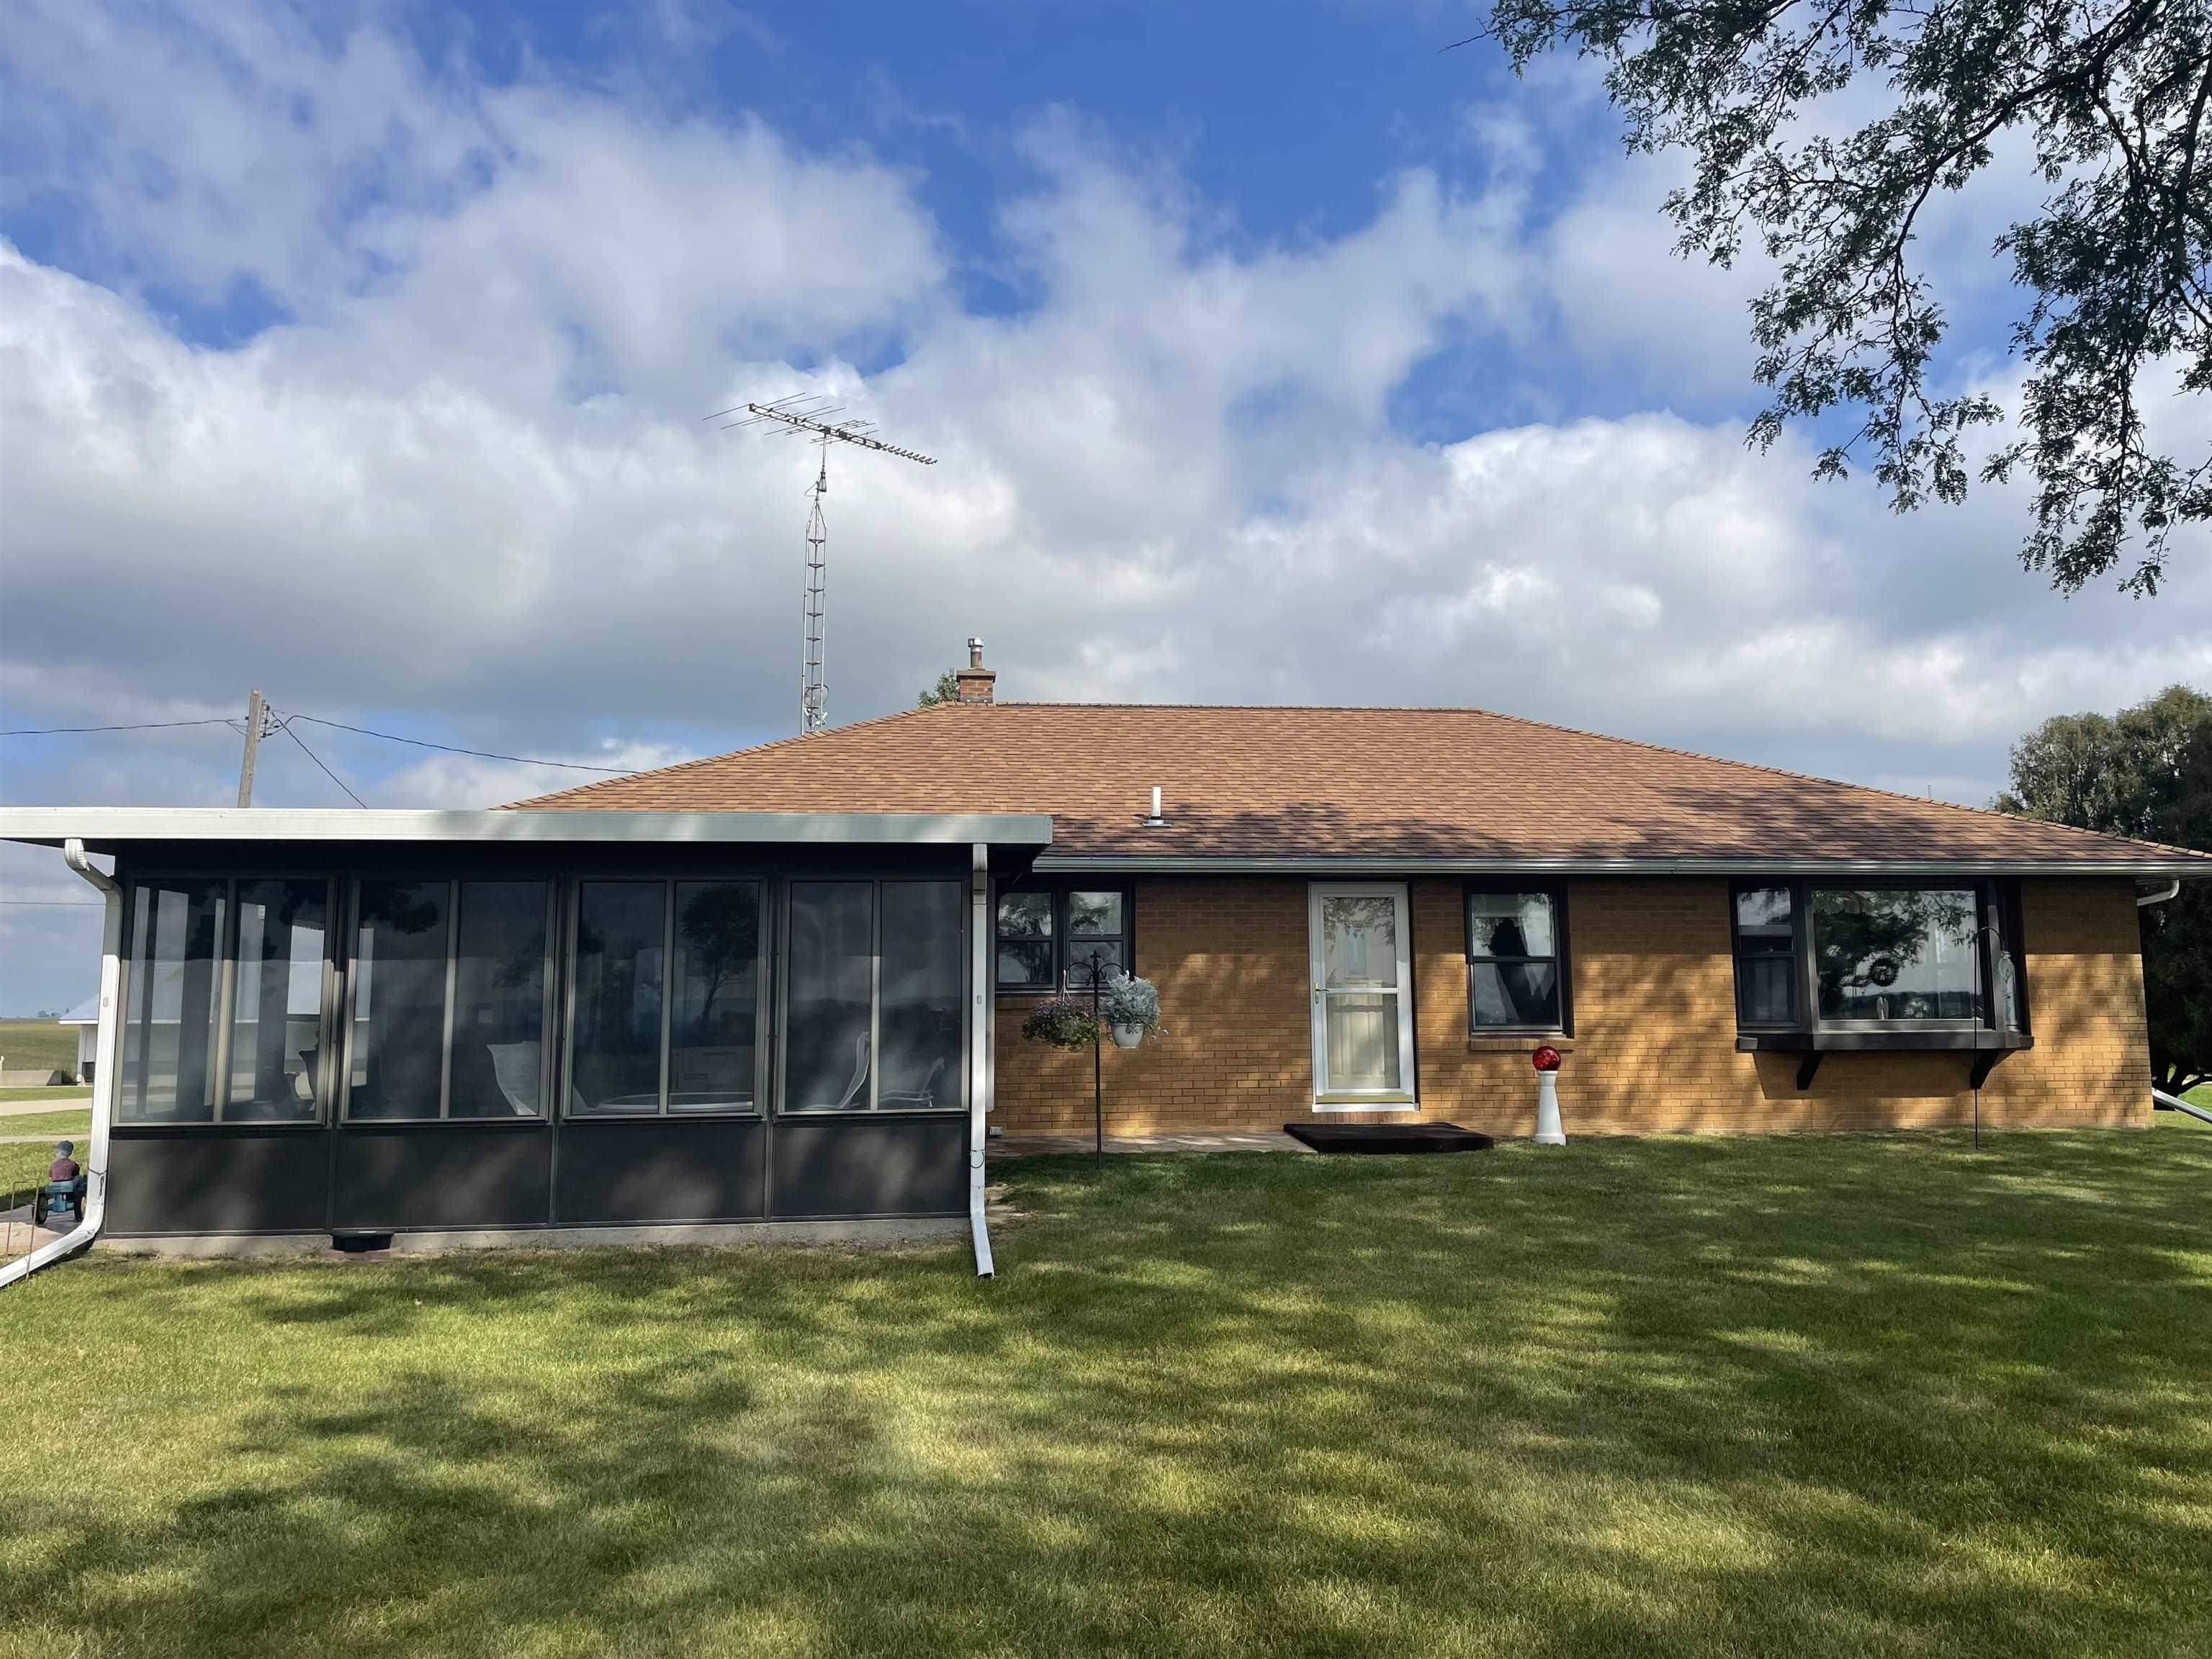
(60,1103)
(1239,1140)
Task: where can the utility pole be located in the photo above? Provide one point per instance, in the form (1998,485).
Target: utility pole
(256,715)
(806,416)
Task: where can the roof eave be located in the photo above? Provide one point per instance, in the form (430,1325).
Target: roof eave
(1201,864)
(106,828)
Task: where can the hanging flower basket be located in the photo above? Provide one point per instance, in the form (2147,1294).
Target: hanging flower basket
(1063,1021)
(1131,1006)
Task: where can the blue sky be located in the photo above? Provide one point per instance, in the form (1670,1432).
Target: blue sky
(1269,354)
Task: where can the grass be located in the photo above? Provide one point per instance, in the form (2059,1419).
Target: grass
(1854,1396)
(61,1093)
(76,1124)
(37,1044)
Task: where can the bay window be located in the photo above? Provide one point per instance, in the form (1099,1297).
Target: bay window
(1898,958)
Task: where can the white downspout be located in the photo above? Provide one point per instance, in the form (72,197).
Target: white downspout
(103,1075)
(980,1035)
(2144,900)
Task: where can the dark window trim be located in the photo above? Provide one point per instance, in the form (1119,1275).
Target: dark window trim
(1998,893)
(1562,956)
(1060,887)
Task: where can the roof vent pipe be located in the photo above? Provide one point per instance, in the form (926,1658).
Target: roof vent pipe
(1155,821)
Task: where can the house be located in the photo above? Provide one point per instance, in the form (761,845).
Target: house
(784,987)
(84,1020)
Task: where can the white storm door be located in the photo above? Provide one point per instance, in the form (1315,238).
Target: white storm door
(1363,979)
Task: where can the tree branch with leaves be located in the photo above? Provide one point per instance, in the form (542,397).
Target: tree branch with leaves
(2113,100)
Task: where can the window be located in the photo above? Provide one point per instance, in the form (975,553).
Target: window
(1886,955)
(1878,957)
(875,995)
(445,1000)
(1765,956)
(223,1014)
(169,1039)
(1515,942)
(667,997)
(277,1002)
(1047,936)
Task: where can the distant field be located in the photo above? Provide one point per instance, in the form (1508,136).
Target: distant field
(30,1042)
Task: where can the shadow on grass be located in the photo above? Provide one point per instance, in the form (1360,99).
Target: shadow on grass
(1880,1395)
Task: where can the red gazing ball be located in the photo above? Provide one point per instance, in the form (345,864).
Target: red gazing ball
(1547,1058)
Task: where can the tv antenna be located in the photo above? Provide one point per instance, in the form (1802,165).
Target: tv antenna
(802,413)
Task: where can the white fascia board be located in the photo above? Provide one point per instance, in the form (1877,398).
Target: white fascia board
(1073,864)
(105,828)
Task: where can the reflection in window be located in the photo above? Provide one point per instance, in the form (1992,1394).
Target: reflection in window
(499,1000)
(1094,934)
(1025,941)
(616,1052)
(922,994)
(1765,956)
(827,1063)
(399,1012)
(1513,961)
(713,1033)
(277,1003)
(169,1036)
(1896,954)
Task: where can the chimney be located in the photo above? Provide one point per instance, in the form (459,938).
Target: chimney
(973,683)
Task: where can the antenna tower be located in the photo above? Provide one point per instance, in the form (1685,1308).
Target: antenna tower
(808,415)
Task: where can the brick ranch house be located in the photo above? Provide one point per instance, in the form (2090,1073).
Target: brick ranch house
(1354,911)
(781,990)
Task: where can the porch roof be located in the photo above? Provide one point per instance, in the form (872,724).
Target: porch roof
(106,829)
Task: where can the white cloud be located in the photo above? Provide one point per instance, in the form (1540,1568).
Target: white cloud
(466,493)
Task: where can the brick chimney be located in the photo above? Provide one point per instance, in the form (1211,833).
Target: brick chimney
(973,683)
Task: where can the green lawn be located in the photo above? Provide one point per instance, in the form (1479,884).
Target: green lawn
(76,1124)
(25,1043)
(1854,1396)
(65,1092)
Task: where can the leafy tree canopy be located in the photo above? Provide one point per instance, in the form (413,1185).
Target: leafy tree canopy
(948,691)
(2145,772)
(2116,268)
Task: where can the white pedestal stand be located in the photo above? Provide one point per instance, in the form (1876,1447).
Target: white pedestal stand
(1548,1132)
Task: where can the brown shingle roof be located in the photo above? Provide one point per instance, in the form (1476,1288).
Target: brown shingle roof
(1265,783)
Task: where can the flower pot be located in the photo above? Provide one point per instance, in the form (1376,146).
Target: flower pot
(1128,1037)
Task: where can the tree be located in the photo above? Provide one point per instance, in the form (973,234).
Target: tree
(2146,771)
(2112,97)
(721,938)
(948,691)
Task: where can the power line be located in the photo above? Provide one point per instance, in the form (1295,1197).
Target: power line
(285,727)
(142,726)
(337,726)
(450,749)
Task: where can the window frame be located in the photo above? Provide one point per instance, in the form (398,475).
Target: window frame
(1996,929)
(1561,957)
(764,1025)
(226,998)
(1059,889)
(549,1001)
(971,1030)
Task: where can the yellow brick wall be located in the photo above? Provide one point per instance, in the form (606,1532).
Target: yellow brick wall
(1653,1045)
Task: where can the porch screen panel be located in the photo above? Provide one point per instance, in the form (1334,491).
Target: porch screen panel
(169,1036)
(276,1004)
(499,1001)
(923,995)
(399,1012)
(828,1061)
(621,938)
(713,1025)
